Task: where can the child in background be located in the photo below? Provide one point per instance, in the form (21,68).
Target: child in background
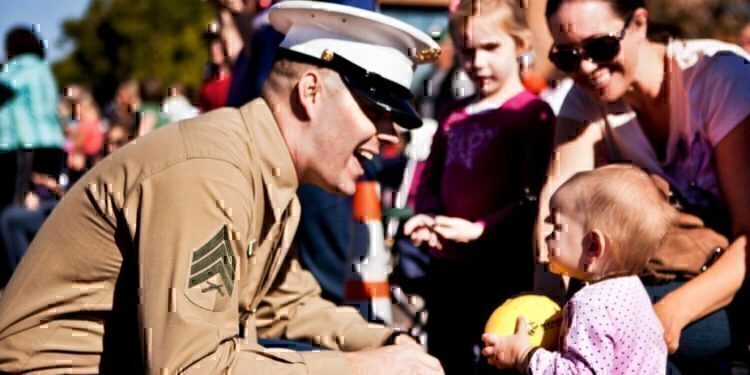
(88,137)
(476,197)
(607,224)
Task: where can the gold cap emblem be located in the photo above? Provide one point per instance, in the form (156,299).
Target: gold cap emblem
(327,55)
(427,55)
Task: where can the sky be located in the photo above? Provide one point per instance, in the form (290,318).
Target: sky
(45,16)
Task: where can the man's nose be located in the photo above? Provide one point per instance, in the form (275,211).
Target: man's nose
(386,129)
(387,138)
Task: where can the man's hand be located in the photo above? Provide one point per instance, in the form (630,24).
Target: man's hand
(510,351)
(404,358)
(457,229)
(407,340)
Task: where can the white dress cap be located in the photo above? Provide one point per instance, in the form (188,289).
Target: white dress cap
(375,42)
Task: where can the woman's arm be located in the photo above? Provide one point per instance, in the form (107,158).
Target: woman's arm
(716,287)
(577,147)
(575,150)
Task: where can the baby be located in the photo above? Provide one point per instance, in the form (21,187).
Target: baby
(607,223)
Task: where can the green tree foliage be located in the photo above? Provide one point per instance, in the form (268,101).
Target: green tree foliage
(117,40)
(720,19)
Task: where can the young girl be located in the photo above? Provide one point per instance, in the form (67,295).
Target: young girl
(476,195)
(607,224)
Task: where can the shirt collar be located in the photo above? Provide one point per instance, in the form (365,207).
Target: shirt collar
(276,165)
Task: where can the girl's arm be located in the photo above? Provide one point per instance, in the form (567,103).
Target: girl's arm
(716,287)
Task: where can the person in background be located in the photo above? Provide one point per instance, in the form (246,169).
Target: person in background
(123,109)
(28,120)
(150,109)
(30,133)
(176,106)
(87,134)
(20,222)
(117,136)
(744,38)
(218,77)
(476,197)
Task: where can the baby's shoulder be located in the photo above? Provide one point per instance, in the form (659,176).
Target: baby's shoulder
(612,293)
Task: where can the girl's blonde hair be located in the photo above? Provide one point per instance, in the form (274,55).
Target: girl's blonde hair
(508,15)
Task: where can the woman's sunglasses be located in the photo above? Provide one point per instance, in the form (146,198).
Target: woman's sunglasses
(600,49)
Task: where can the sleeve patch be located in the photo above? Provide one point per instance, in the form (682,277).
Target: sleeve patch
(211,273)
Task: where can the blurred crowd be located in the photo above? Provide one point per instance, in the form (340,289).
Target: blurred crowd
(52,135)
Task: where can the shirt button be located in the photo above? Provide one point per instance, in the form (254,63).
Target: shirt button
(251,248)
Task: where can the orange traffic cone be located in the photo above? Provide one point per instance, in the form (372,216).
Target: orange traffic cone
(366,285)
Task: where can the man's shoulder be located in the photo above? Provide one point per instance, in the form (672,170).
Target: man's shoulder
(220,134)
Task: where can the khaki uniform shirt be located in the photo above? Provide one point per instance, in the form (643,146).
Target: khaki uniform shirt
(172,255)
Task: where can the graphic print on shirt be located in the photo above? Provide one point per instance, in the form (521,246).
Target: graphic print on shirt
(210,275)
(465,144)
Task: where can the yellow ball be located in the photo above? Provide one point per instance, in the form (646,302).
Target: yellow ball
(543,317)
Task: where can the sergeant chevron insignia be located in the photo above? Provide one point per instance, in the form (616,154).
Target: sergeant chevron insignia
(210,275)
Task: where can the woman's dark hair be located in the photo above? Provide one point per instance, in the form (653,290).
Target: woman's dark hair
(622,8)
(657,31)
(21,40)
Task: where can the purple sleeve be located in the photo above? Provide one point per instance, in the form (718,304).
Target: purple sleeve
(587,348)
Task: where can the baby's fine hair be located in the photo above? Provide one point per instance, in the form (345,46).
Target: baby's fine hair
(623,202)
(508,15)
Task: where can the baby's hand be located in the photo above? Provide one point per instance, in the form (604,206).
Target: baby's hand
(508,351)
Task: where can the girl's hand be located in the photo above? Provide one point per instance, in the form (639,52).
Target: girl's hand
(457,229)
(419,229)
(509,351)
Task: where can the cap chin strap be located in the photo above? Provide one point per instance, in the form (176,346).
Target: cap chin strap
(383,92)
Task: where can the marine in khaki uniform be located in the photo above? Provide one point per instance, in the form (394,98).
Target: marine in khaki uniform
(174,254)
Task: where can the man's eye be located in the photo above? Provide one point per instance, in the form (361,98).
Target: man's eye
(491,47)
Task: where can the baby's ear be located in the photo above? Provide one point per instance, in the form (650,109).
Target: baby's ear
(596,243)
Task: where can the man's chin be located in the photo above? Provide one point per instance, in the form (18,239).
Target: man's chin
(344,188)
(347,189)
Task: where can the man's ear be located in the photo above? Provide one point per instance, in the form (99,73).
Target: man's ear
(308,93)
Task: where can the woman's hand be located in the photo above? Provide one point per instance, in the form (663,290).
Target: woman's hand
(672,320)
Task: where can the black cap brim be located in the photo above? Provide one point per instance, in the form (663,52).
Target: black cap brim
(382,92)
(401,108)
